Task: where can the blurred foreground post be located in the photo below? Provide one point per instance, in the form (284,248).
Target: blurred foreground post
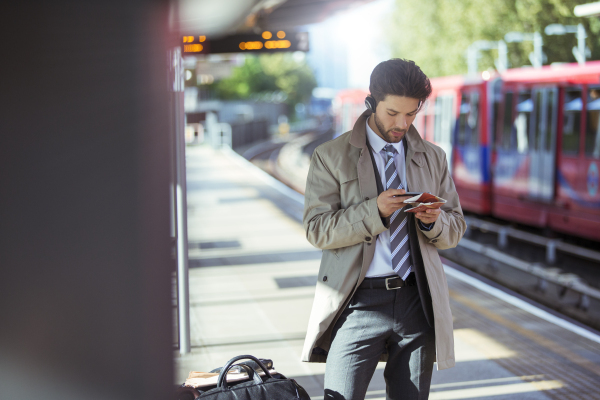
(179,205)
(86,265)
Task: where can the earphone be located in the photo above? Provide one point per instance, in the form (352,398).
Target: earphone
(370,103)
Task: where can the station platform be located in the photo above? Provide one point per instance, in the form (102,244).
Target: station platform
(252,279)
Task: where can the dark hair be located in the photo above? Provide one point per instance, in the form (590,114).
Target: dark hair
(400,78)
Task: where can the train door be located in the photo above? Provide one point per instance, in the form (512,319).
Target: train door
(570,167)
(511,169)
(591,145)
(542,150)
(467,138)
(443,124)
(469,156)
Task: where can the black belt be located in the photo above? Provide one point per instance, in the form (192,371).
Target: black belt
(388,282)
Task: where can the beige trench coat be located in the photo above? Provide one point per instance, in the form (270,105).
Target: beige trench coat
(341,218)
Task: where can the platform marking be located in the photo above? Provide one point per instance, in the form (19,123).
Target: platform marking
(523,305)
(513,388)
(537,338)
(481,382)
(482,391)
(491,348)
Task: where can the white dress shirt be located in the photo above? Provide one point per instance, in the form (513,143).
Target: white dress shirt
(382,260)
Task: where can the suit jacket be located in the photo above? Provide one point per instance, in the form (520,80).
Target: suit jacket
(341,218)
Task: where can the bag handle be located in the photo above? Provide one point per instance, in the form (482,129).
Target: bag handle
(222,380)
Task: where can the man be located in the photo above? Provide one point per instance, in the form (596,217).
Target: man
(381,292)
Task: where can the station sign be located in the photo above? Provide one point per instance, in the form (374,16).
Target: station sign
(267,42)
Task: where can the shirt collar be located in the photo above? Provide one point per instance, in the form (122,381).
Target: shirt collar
(377,143)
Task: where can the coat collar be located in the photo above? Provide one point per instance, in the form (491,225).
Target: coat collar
(358,136)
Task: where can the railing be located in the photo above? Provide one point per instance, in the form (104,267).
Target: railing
(245,133)
(543,274)
(551,244)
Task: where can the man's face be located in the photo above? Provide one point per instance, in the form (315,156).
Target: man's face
(393,117)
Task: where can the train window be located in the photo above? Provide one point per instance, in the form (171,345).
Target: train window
(443,121)
(508,121)
(571,122)
(592,131)
(544,127)
(468,123)
(497,101)
(540,126)
(462,120)
(521,123)
(551,101)
(473,120)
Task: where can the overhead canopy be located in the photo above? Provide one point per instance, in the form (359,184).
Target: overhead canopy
(225,17)
(302,12)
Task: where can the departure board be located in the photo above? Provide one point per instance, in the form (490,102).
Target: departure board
(267,42)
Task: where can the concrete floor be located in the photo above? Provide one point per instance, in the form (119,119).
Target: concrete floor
(252,276)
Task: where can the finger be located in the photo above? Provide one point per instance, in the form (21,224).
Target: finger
(425,217)
(396,192)
(397,199)
(396,206)
(401,199)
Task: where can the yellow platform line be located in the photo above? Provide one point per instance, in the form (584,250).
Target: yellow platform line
(495,386)
(539,339)
(486,391)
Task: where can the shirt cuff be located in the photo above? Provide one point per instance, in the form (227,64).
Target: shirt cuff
(425,227)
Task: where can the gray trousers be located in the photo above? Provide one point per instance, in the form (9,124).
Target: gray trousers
(378,321)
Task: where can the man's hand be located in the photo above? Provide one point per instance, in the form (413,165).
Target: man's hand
(388,204)
(429,216)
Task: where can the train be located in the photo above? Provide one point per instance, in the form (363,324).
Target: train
(523,145)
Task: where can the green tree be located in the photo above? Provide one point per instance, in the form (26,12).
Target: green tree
(436,33)
(269,73)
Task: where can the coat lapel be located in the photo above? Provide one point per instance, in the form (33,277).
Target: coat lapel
(415,143)
(415,146)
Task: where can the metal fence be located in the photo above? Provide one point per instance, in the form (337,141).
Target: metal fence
(245,133)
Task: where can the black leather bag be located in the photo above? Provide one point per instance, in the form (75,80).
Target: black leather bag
(260,388)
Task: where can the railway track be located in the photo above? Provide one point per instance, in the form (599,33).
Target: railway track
(558,273)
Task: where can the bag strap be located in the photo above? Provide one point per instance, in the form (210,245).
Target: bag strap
(251,373)
(222,380)
(377,176)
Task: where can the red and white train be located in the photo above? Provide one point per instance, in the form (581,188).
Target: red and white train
(523,145)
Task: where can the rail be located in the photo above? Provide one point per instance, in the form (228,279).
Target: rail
(551,244)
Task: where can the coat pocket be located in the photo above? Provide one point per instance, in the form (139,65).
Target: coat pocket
(419,160)
(329,263)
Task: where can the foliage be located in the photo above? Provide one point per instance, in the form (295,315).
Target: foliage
(436,33)
(266,74)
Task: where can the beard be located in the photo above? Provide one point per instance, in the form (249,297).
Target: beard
(387,135)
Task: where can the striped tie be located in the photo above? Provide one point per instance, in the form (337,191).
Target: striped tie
(398,220)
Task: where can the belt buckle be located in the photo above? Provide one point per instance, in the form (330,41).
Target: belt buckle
(387,285)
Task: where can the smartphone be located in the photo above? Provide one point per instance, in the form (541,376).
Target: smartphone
(409,194)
